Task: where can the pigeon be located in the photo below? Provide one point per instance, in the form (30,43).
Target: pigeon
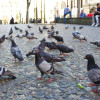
(56,32)
(51,34)
(29,36)
(66,27)
(64,49)
(81,37)
(16,28)
(11,31)
(80,27)
(41,31)
(52,28)
(29,33)
(29,26)
(51,45)
(2,39)
(75,33)
(48,31)
(58,38)
(44,27)
(97,43)
(93,71)
(6,72)
(48,57)
(20,35)
(15,51)
(20,30)
(43,66)
(41,46)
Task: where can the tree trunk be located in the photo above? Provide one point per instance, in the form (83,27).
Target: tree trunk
(27,10)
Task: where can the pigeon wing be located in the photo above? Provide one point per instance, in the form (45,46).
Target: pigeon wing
(94,75)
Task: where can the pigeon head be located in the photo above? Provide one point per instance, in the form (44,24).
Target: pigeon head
(26,32)
(35,50)
(96,43)
(43,40)
(85,39)
(57,32)
(90,58)
(74,28)
(3,37)
(71,50)
(13,42)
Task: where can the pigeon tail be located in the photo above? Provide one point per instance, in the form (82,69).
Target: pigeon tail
(12,76)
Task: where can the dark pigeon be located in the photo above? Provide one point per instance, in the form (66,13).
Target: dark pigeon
(16,28)
(48,57)
(58,38)
(56,32)
(44,27)
(97,43)
(11,31)
(42,45)
(2,39)
(41,31)
(29,26)
(64,49)
(51,45)
(51,34)
(6,72)
(80,27)
(93,71)
(15,51)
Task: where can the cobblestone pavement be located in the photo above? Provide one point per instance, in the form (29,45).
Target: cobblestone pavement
(27,87)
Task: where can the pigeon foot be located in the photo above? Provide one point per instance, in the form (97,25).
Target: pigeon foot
(50,80)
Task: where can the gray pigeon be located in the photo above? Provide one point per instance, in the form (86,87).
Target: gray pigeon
(15,51)
(93,71)
(43,66)
(6,72)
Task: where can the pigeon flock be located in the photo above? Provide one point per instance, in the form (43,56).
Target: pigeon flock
(44,61)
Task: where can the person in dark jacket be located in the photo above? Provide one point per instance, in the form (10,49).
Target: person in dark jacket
(12,21)
(96,15)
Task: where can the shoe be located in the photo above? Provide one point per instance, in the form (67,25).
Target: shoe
(93,24)
(97,25)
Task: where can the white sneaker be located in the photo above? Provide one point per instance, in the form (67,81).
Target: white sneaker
(97,25)
(93,24)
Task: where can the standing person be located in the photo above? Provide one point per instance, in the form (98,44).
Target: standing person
(96,16)
(12,21)
(82,14)
(66,11)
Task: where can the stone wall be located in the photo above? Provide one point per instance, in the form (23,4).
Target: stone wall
(83,21)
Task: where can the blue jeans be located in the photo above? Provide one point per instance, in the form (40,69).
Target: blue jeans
(66,14)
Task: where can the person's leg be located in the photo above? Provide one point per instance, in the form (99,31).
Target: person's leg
(70,14)
(93,20)
(64,18)
(97,20)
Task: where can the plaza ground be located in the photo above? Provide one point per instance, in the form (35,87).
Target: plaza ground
(27,87)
